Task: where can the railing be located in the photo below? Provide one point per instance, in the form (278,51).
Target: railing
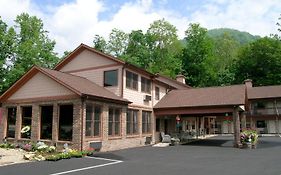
(266,111)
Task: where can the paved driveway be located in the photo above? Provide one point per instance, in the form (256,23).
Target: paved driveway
(211,157)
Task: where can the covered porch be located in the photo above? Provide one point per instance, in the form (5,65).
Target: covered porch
(199,113)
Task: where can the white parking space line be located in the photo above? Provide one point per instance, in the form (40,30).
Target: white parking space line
(91,167)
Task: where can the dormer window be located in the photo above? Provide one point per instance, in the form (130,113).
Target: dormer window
(110,78)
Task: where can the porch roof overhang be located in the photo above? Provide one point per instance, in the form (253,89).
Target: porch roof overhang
(199,110)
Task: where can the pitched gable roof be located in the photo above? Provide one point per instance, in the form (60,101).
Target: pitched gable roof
(212,96)
(81,48)
(170,82)
(79,85)
(264,92)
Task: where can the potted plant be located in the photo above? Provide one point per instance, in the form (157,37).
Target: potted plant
(249,138)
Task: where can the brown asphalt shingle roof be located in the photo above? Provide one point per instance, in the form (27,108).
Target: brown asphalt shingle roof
(212,96)
(264,92)
(173,83)
(81,86)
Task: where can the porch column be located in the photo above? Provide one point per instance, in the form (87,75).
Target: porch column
(18,123)
(78,109)
(105,122)
(35,123)
(236,122)
(124,122)
(55,123)
(140,122)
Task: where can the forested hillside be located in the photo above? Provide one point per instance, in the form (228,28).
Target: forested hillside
(207,58)
(241,37)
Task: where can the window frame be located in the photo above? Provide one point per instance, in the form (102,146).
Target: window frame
(146,122)
(157,93)
(134,78)
(132,124)
(114,85)
(114,123)
(146,85)
(93,121)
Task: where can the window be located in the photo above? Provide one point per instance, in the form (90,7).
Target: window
(131,80)
(145,85)
(110,78)
(114,122)
(146,122)
(46,122)
(132,121)
(158,125)
(93,120)
(26,121)
(11,122)
(157,93)
(65,122)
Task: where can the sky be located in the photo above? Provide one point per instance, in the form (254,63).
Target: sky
(71,22)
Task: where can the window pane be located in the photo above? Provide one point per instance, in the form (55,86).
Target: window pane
(135,81)
(97,121)
(65,122)
(128,121)
(11,122)
(128,79)
(88,128)
(97,128)
(142,84)
(110,121)
(26,120)
(46,122)
(111,78)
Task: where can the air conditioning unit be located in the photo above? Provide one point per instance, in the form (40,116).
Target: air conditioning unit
(147,98)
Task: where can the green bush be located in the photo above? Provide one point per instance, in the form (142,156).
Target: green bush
(7,145)
(54,157)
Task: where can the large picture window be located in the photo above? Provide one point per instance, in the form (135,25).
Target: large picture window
(93,120)
(146,121)
(114,122)
(132,121)
(11,122)
(65,122)
(111,78)
(26,121)
(46,122)
(131,80)
(145,85)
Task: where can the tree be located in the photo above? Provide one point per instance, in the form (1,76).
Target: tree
(7,48)
(137,50)
(32,47)
(99,43)
(225,53)
(164,48)
(198,49)
(117,44)
(261,62)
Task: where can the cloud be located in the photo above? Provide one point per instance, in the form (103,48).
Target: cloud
(78,21)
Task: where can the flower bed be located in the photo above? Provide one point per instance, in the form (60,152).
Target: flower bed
(40,151)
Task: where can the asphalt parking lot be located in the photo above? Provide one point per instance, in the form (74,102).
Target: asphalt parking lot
(214,156)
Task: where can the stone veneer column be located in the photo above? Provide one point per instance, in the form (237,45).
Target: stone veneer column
(105,122)
(236,123)
(18,123)
(3,124)
(77,130)
(35,123)
(243,121)
(123,122)
(55,126)
(153,126)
